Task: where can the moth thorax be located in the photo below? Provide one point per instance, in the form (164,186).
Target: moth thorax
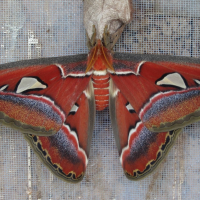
(101,89)
(100,64)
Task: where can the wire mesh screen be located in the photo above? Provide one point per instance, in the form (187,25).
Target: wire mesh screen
(34,29)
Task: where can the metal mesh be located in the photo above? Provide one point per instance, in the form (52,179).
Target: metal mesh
(33,29)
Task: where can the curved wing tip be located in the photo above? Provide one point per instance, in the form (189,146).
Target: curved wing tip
(177,124)
(71,179)
(27,129)
(167,128)
(134,178)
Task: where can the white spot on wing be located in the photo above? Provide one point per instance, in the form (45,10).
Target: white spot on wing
(3,87)
(74,108)
(197,81)
(174,79)
(130,108)
(28,83)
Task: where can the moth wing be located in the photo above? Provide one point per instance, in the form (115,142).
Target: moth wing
(164,90)
(66,153)
(37,95)
(140,150)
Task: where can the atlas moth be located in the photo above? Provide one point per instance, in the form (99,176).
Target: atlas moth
(53,101)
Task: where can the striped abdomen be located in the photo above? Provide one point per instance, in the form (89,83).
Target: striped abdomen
(101,90)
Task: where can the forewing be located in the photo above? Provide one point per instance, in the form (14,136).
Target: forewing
(164,90)
(37,95)
(140,150)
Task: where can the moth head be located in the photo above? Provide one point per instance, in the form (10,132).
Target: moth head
(99,58)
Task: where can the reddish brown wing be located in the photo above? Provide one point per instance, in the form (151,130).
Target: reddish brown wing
(140,150)
(37,95)
(46,97)
(163,90)
(66,153)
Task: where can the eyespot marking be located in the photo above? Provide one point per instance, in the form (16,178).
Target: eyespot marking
(197,81)
(30,83)
(2,88)
(173,79)
(74,109)
(130,108)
